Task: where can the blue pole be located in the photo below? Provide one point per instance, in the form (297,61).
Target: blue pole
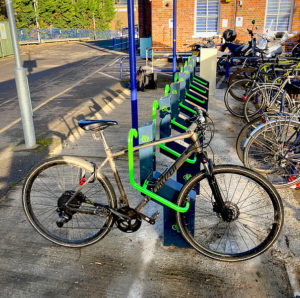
(174,37)
(132,65)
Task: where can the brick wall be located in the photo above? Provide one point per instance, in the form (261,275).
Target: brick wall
(121,18)
(162,11)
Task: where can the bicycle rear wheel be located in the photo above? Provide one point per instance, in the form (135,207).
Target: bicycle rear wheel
(47,189)
(274,150)
(256,215)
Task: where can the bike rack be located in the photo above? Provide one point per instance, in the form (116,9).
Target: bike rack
(143,189)
(186,92)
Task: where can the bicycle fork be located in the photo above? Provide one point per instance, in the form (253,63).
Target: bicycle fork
(219,205)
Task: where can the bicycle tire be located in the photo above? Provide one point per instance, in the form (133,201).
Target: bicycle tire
(46,190)
(265,152)
(208,235)
(257,101)
(246,131)
(233,105)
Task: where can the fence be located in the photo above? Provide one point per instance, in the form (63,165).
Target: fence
(31,35)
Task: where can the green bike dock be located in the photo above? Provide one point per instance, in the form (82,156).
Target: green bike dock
(172,109)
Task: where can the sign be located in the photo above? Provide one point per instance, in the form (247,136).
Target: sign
(3,31)
(239,22)
(224,23)
(170,23)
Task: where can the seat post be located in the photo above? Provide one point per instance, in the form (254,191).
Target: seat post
(106,147)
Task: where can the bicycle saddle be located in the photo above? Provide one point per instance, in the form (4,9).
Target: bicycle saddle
(96,124)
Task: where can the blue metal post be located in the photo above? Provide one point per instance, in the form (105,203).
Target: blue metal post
(174,37)
(132,65)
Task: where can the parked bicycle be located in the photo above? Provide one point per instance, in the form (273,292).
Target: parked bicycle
(238,213)
(273,149)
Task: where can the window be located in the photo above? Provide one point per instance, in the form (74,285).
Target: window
(278,15)
(206,17)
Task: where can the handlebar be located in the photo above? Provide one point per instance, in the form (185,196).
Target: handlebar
(199,119)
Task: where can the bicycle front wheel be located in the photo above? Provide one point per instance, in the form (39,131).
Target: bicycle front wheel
(48,188)
(235,95)
(255,208)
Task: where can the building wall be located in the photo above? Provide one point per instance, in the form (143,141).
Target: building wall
(162,11)
(121,18)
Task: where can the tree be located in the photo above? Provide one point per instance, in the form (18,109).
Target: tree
(59,14)
(2,10)
(24,13)
(64,13)
(102,10)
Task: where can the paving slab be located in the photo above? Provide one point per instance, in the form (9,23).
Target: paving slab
(138,265)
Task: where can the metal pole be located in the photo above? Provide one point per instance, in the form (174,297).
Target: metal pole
(35,4)
(1,46)
(174,37)
(132,65)
(94,24)
(21,82)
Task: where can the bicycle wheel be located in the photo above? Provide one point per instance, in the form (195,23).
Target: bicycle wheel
(274,150)
(243,73)
(266,98)
(254,205)
(50,185)
(247,130)
(235,104)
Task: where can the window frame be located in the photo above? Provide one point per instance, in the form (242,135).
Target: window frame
(277,15)
(206,34)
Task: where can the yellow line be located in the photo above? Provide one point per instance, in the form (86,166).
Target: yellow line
(9,100)
(52,98)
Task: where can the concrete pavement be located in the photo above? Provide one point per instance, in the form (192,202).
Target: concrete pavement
(136,265)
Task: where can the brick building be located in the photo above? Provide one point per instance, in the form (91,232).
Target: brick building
(201,18)
(121,18)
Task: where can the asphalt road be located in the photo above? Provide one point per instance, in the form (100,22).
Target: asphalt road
(60,76)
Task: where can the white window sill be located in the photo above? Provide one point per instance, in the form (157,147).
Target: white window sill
(204,34)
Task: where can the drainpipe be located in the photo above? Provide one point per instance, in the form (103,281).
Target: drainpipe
(235,9)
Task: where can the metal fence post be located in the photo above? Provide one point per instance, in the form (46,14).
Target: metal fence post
(21,82)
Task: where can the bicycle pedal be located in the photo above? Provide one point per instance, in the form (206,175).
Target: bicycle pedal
(155,215)
(151,220)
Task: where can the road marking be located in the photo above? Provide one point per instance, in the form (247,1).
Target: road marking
(107,75)
(32,89)
(54,97)
(114,62)
(7,101)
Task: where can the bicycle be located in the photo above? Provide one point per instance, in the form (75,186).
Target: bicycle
(271,98)
(238,213)
(273,149)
